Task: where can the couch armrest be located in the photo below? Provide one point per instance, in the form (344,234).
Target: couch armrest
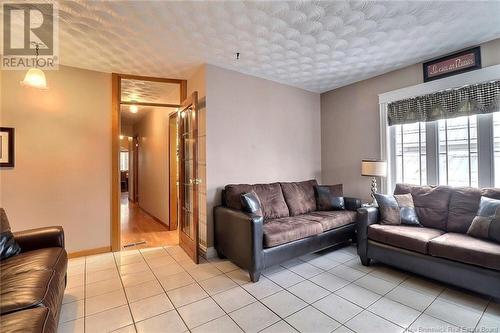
(352,203)
(366,217)
(40,238)
(239,236)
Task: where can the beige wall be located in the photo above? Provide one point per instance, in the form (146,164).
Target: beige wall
(258,131)
(63,155)
(350,122)
(152,131)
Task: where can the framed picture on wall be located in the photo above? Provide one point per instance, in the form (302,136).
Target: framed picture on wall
(6,147)
(453,64)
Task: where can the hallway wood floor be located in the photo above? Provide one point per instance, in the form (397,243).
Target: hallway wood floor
(138,226)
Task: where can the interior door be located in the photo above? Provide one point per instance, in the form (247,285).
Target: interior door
(188,176)
(173,174)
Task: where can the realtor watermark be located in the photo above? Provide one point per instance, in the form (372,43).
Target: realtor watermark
(30,35)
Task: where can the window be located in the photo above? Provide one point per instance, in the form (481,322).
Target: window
(446,152)
(410,153)
(458,162)
(496,147)
(124,161)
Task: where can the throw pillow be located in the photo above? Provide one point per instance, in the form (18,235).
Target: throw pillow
(8,245)
(250,203)
(487,222)
(329,197)
(397,209)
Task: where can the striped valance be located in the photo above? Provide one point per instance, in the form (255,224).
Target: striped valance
(464,101)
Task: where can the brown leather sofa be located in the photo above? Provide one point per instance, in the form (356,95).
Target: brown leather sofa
(291,225)
(441,249)
(32,282)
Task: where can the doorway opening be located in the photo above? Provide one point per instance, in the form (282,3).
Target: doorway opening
(154,150)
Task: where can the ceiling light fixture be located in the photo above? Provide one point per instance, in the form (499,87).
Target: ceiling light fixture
(35,77)
(134,108)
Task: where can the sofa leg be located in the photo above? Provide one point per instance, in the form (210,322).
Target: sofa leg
(365,261)
(220,255)
(255,276)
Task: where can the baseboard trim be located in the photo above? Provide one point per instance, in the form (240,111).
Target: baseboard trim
(89,252)
(210,253)
(154,217)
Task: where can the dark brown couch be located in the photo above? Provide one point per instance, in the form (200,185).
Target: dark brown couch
(32,282)
(441,249)
(290,226)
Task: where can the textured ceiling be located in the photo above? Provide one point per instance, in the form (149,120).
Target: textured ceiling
(309,44)
(149,91)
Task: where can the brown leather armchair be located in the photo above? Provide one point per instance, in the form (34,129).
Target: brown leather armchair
(32,282)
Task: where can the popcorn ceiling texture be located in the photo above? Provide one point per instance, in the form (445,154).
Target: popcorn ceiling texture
(313,45)
(150,91)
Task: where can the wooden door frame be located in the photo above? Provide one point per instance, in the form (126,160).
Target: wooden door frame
(115,229)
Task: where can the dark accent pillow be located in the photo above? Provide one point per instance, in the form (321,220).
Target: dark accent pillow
(8,245)
(487,222)
(250,203)
(397,209)
(329,197)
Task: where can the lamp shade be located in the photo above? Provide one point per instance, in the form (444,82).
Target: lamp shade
(373,168)
(35,78)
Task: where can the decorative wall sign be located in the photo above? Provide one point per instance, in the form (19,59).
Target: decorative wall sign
(6,147)
(453,64)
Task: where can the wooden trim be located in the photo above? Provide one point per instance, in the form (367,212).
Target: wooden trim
(183,90)
(115,237)
(150,78)
(161,105)
(115,162)
(89,252)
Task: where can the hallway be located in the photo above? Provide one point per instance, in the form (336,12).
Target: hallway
(137,227)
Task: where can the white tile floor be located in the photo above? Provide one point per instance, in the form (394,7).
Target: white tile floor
(160,290)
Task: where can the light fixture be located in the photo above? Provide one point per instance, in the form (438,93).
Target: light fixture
(121,137)
(35,77)
(134,108)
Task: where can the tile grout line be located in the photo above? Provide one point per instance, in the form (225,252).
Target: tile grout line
(126,297)
(165,292)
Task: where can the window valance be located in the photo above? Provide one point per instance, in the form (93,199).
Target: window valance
(469,100)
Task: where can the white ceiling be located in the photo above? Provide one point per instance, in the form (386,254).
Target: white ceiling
(150,91)
(315,45)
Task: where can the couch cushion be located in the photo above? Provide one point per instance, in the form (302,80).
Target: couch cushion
(287,229)
(270,196)
(431,203)
(329,197)
(332,219)
(405,237)
(490,192)
(466,249)
(35,320)
(32,279)
(464,203)
(300,197)
(42,259)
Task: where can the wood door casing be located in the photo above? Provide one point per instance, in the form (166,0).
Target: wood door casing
(188,176)
(173,171)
